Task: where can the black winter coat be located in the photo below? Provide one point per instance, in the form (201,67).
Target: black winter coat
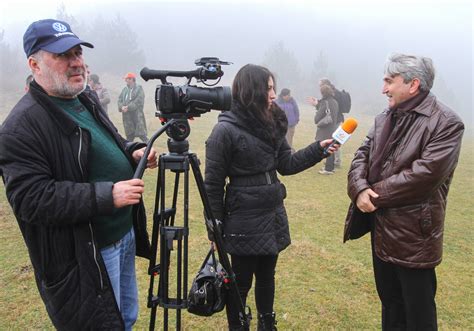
(249,153)
(44,160)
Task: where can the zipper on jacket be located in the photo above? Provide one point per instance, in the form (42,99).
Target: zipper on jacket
(90,225)
(267,175)
(95,257)
(79,151)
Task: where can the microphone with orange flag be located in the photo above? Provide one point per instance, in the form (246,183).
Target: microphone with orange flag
(342,134)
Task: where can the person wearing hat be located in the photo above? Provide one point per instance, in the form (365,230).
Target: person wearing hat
(130,103)
(67,175)
(101,91)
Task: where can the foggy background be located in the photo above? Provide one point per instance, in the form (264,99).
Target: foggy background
(300,41)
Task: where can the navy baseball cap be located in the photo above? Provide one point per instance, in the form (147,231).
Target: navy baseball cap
(53,36)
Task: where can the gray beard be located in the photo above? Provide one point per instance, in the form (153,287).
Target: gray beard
(66,90)
(59,86)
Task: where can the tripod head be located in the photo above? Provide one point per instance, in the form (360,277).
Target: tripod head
(178,130)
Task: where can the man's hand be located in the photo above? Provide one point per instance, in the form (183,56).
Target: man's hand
(331,149)
(124,109)
(152,162)
(312,101)
(127,192)
(363,201)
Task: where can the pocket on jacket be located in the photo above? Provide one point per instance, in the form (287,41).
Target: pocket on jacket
(253,198)
(255,244)
(61,297)
(425,219)
(247,222)
(405,223)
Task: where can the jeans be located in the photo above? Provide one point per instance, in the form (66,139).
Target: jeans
(119,259)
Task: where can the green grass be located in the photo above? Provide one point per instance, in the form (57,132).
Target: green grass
(321,283)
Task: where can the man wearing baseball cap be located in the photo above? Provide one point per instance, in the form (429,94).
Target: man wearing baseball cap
(67,175)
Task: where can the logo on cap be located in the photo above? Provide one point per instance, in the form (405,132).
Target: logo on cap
(59,27)
(52,36)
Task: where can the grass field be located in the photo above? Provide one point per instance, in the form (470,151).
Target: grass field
(321,283)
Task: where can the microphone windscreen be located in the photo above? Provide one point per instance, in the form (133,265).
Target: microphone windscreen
(349,125)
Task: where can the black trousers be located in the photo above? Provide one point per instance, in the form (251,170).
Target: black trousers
(407,296)
(244,267)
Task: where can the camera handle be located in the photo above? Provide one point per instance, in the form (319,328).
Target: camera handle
(163,227)
(143,161)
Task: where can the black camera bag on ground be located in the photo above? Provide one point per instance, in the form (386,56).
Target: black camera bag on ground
(208,292)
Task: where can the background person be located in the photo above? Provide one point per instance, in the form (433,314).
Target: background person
(338,96)
(102,93)
(327,105)
(248,147)
(67,177)
(398,183)
(130,103)
(288,104)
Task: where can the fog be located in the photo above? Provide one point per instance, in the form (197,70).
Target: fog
(352,38)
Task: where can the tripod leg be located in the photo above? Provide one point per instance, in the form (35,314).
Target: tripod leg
(153,269)
(245,314)
(169,233)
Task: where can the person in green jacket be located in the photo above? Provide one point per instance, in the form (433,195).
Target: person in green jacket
(130,104)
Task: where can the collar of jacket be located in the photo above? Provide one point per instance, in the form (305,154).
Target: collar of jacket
(412,104)
(424,108)
(272,134)
(63,121)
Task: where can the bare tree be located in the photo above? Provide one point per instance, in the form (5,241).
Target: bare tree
(284,65)
(62,15)
(12,66)
(116,48)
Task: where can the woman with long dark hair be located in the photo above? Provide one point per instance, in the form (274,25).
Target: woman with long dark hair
(247,148)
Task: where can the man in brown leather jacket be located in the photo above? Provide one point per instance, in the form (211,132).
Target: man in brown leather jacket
(398,183)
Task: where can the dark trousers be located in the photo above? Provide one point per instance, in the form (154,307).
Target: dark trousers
(141,137)
(407,296)
(330,163)
(244,267)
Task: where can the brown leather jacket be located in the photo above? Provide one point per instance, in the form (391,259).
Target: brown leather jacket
(414,185)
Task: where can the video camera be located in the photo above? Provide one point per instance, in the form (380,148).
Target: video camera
(184,102)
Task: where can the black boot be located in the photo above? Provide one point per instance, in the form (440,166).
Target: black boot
(267,322)
(237,328)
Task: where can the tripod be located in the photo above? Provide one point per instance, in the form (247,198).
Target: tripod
(165,232)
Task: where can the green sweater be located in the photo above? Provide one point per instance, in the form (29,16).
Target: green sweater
(107,163)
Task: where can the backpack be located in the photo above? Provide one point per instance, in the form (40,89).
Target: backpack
(343,99)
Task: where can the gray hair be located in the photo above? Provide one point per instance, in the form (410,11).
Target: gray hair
(38,55)
(410,67)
